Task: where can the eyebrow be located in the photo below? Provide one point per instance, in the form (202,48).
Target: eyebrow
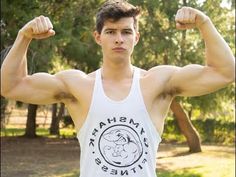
(127,29)
(109,29)
(114,29)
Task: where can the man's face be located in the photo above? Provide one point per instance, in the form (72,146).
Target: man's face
(117,39)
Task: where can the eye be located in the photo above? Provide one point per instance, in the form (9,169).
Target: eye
(110,32)
(127,32)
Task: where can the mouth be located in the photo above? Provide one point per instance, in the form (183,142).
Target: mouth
(118,49)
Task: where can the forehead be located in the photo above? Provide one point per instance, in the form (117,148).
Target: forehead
(122,23)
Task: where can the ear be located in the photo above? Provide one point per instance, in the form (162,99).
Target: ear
(97,37)
(137,36)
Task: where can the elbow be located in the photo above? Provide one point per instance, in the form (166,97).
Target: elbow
(228,74)
(5,93)
(230,77)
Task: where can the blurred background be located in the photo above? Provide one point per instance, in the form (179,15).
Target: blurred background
(204,124)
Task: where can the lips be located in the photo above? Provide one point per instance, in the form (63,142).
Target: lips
(118,49)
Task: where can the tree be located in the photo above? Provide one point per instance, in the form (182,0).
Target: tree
(74,47)
(161,43)
(186,127)
(30,131)
(56,117)
(73,43)
(16,14)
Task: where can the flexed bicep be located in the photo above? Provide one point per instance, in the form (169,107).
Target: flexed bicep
(196,80)
(39,88)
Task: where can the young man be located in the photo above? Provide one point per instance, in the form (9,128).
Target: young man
(118,110)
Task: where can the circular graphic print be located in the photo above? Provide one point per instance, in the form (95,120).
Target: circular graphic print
(120,146)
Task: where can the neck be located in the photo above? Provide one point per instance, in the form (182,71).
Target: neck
(115,71)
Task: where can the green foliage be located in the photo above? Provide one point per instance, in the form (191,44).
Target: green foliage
(210,130)
(73,45)
(161,43)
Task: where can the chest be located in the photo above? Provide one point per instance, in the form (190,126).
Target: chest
(156,105)
(117,91)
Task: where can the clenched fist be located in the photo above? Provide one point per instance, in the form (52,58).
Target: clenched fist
(188,18)
(38,28)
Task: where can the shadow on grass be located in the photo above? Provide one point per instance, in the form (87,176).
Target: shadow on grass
(179,173)
(176,154)
(72,174)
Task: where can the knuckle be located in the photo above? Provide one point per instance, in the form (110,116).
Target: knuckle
(37,19)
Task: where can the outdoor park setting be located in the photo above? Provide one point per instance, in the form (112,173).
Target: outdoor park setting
(41,140)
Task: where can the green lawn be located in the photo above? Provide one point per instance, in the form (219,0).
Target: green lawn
(12,131)
(214,161)
(179,173)
(211,170)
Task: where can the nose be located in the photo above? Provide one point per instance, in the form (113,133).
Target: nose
(119,39)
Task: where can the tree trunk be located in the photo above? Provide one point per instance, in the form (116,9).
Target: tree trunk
(184,123)
(4,103)
(54,128)
(30,131)
(61,112)
(186,127)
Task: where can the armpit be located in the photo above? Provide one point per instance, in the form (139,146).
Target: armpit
(65,96)
(171,92)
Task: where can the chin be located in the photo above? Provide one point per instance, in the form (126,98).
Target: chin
(119,59)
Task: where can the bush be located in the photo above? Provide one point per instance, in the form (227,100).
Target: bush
(67,121)
(210,130)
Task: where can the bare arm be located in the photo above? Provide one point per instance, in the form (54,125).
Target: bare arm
(39,88)
(194,80)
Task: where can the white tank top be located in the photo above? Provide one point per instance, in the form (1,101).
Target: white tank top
(118,138)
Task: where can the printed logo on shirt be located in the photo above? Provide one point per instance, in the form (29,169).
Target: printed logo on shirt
(119,146)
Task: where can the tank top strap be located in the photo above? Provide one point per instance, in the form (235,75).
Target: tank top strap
(98,90)
(134,90)
(136,76)
(98,80)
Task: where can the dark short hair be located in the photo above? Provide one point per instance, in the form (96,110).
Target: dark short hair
(115,10)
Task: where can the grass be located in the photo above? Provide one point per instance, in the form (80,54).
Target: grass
(64,132)
(213,169)
(210,163)
(179,173)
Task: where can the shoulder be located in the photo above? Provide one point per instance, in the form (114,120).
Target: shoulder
(70,73)
(74,74)
(158,78)
(76,82)
(159,72)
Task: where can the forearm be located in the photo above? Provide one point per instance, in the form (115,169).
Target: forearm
(218,53)
(14,67)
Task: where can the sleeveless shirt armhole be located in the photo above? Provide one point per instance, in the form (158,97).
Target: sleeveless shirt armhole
(91,104)
(159,139)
